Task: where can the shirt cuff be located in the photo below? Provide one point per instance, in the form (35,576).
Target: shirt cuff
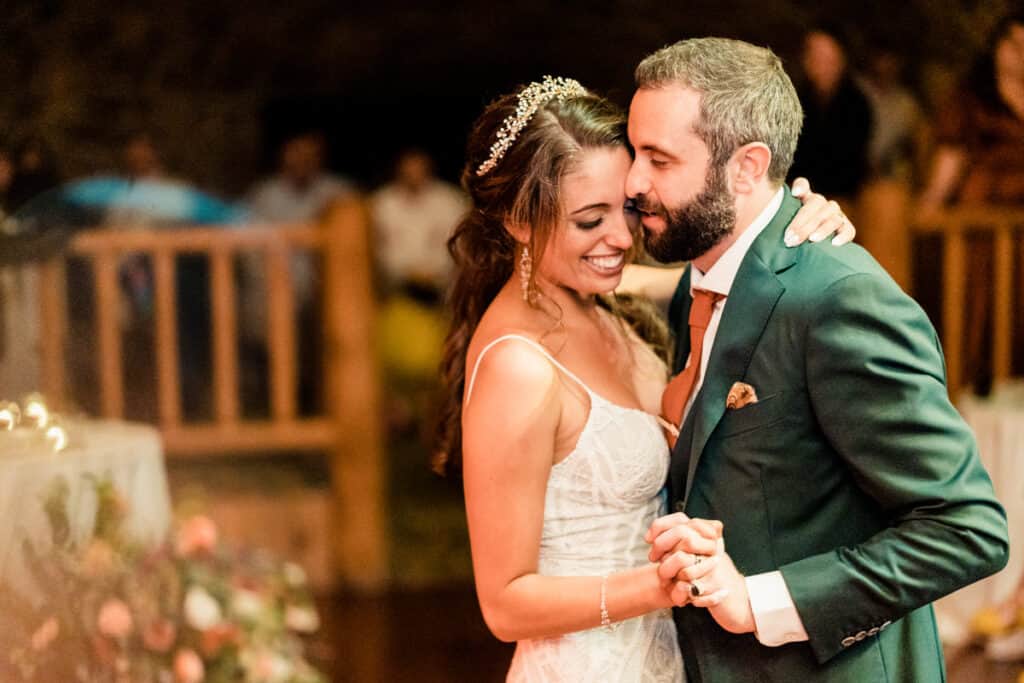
(775,617)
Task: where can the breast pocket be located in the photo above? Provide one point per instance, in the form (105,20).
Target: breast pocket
(767,411)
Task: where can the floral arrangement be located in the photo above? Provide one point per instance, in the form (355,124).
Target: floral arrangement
(187,611)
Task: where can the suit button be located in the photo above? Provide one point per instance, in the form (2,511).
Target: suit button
(680,506)
(860,636)
(848,641)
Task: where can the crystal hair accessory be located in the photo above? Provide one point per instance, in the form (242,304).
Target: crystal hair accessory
(530,100)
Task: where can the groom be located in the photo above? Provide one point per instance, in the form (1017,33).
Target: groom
(812,413)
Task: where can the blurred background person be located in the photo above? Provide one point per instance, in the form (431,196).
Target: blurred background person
(833,147)
(6,181)
(979,160)
(301,188)
(141,159)
(896,116)
(36,171)
(892,161)
(979,134)
(413,216)
(299,192)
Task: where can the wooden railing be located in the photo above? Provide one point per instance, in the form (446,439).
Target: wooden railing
(1002,226)
(348,430)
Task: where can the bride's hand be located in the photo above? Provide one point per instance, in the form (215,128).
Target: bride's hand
(817,219)
(677,532)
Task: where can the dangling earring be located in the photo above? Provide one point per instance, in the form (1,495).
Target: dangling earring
(525,270)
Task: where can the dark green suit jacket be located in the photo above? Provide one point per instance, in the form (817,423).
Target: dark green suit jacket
(852,474)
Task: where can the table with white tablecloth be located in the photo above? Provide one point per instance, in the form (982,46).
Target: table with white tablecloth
(130,455)
(998,425)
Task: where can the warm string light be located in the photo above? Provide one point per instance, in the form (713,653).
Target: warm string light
(57,436)
(34,414)
(36,411)
(10,415)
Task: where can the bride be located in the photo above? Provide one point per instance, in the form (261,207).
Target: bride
(562,457)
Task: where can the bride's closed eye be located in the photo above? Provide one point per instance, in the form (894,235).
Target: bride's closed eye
(589,225)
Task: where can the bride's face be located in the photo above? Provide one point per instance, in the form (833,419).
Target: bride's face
(588,249)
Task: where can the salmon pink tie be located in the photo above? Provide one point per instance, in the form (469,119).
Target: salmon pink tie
(678,391)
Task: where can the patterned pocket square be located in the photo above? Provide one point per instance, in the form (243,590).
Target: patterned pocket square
(741,394)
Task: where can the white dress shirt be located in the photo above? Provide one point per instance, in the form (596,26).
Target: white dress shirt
(775,616)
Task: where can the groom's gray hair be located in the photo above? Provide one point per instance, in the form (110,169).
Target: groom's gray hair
(746,96)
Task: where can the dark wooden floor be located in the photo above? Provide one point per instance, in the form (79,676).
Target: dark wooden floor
(438,636)
(425,636)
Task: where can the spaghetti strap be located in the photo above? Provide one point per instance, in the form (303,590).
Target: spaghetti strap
(530,342)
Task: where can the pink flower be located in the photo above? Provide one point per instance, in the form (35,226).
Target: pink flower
(216,637)
(115,619)
(159,635)
(45,634)
(197,536)
(188,667)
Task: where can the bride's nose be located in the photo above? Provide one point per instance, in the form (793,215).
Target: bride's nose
(619,234)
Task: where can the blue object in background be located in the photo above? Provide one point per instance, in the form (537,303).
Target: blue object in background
(154,200)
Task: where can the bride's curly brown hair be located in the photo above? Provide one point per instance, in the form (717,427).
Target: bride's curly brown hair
(523,188)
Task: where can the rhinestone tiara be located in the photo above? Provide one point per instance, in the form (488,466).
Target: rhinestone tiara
(530,100)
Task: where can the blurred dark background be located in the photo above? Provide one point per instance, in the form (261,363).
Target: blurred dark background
(218,83)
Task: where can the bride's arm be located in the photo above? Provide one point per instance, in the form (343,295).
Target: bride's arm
(510,427)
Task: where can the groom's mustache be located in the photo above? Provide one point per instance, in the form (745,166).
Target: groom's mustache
(644,205)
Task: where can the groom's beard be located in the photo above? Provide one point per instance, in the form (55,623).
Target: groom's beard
(693,229)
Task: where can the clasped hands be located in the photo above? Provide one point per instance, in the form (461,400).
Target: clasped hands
(695,569)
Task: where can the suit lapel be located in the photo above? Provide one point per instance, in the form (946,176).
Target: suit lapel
(678,316)
(748,308)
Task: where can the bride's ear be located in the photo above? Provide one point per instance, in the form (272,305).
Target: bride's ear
(520,231)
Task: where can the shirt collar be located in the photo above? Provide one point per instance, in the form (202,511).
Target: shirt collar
(720,276)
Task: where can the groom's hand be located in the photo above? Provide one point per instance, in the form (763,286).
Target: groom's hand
(723,591)
(679,533)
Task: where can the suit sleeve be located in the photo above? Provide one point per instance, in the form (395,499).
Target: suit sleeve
(876,379)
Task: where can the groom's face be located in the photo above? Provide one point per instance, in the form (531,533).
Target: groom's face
(684,201)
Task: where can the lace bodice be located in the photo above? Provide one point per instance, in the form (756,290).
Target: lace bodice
(600,500)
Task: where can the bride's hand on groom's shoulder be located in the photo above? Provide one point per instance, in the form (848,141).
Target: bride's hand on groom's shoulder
(677,532)
(817,219)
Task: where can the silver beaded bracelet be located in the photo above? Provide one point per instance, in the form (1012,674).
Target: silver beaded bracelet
(606,621)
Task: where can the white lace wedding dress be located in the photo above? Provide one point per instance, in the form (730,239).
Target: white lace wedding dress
(600,501)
